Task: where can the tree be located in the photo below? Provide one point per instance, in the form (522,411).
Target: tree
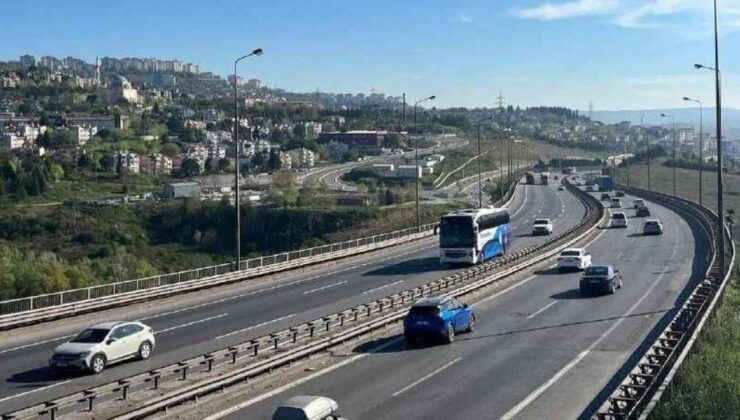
(190,167)
(57,172)
(107,162)
(84,161)
(223,164)
(308,193)
(210,165)
(284,189)
(274,162)
(170,149)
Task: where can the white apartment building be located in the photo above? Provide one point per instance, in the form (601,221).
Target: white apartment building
(129,161)
(82,134)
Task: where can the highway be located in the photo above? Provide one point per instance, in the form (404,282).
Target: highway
(196,323)
(540,349)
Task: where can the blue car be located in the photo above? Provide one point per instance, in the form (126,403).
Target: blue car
(437,317)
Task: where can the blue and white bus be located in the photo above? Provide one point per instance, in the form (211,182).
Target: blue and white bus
(474,235)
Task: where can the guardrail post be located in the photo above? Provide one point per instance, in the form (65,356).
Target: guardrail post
(184,370)
(233,351)
(90,397)
(209,361)
(294,334)
(256,347)
(52,410)
(274,338)
(124,383)
(154,377)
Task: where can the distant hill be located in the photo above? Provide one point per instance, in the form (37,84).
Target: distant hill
(685,117)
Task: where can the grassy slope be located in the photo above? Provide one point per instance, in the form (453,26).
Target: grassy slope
(708,385)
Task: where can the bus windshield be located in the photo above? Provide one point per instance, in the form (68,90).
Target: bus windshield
(456,232)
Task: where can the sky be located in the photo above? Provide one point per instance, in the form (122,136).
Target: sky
(617,54)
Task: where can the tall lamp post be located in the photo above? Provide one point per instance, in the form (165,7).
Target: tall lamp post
(237,218)
(673,119)
(416,157)
(480,181)
(701,143)
(718,110)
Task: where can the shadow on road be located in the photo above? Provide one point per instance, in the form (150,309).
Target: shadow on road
(571,294)
(415,266)
(37,375)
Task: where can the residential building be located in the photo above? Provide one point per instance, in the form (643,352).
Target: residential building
(285,161)
(409,171)
(128,161)
(27,61)
(11,141)
(212,115)
(253,84)
(306,158)
(156,164)
(370,142)
(239,80)
(83,133)
(101,122)
(121,89)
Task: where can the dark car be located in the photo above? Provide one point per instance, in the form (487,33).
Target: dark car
(605,197)
(437,317)
(642,211)
(619,193)
(600,278)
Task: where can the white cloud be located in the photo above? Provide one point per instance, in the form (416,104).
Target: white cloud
(570,9)
(463,17)
(693,14)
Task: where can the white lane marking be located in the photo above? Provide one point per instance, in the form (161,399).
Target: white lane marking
(255,326)
(300,381)
(281,285)
(425,377)
(318,289)
(34,390)
(550,382)
(200,321)
(542,310)
(36,343)
(382,287)
(523,203)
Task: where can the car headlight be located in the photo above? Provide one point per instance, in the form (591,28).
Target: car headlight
(83,354)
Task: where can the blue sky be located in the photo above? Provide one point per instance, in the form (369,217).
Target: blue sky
(620,54)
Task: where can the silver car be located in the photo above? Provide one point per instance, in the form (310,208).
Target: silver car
(103,344)
(652,227)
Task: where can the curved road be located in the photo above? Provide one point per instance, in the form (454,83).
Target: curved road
(540,350)
(196,323)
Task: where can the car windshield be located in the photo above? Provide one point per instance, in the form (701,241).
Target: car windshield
(423,311)
(541,222)
(597,271)
(91,335)
(570,253)
(456,232)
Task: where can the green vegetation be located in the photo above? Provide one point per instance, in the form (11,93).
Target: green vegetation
(708,385)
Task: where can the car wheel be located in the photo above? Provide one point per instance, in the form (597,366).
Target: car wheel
(471,324)
(145,350)
(450,334)
(620,283)
(612,290)
(97,364)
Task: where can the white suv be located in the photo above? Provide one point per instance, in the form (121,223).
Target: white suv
(102,344)
(542,227)
(574,258)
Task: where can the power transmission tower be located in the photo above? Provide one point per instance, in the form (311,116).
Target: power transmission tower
(500,100)
(590,110)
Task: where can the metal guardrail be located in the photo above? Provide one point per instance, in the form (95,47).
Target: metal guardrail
(249,359)
(267,265)
(642,388)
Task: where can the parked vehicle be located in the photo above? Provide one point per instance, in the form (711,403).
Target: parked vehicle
(307,407)
(102,344)
(642,211)
(619,220)
(652,227)
(437,317)
(542,227)
(574,258)
(600,278)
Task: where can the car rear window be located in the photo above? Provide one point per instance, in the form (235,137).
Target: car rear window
(541,221)
(618,216)
(597,271)
(570,253)
(651,223)
(421,311)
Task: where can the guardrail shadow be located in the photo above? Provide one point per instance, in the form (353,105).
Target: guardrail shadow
(400,346)
(413,266)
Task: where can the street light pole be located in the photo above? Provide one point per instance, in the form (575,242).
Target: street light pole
(718,111)
(701,144)
(416,158)
(237,216)
(480,181)
(673,119)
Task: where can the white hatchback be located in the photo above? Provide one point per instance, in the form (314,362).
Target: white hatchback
(103,344)
(619,220)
